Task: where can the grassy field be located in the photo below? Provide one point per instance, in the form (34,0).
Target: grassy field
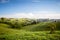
(30,32)
(36,27)
(14,34)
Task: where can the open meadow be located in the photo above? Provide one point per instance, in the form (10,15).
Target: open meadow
(20,30)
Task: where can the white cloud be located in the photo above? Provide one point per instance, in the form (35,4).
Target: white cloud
(33,15)
(18,15)
(51,16)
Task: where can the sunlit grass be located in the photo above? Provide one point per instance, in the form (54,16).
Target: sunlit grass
(13,34)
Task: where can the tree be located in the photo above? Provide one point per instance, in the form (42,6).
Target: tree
(52,26)
(3,19)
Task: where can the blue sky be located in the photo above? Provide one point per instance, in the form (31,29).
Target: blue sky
(30,8)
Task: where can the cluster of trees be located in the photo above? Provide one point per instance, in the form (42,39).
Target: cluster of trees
(18,23)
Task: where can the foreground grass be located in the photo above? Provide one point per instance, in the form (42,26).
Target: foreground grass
(13,34)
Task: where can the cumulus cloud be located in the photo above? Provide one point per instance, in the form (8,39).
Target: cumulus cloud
(51,16)
(33,15)
(18,15)
(4,1)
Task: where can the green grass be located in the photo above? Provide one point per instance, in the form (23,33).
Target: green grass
(13,34)
(4,25)
(36,27)
(31,32)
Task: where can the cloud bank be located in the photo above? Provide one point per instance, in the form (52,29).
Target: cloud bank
(33,15)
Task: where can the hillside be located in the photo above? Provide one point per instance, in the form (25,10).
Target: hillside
(42,26)
(4,25)
(36,27)
(14,34)
(36,31)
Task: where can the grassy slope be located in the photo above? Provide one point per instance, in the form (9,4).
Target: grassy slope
(4,25)
(14,34)
(40,26)
(36,27)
